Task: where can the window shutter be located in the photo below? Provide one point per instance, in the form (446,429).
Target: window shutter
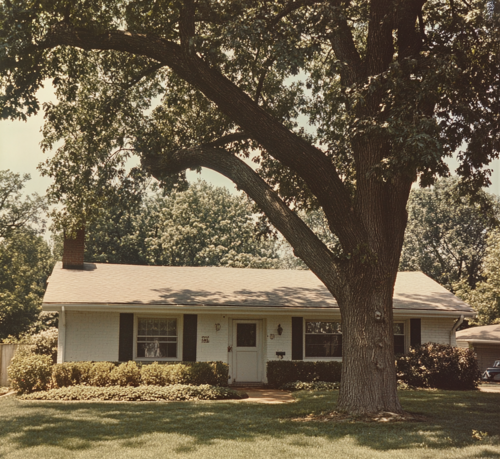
(297,338)
(415,332)
(189,337)
(126,339)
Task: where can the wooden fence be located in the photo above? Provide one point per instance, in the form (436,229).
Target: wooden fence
(7,351)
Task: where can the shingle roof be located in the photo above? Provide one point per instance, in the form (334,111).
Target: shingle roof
(488,332)
(211,286)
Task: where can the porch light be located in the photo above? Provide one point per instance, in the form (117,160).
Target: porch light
(280,329)
(217,327)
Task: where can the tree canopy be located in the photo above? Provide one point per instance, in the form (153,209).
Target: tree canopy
(447,233)
(25,257)
(485,298)
(201,226)
(391,89)
(17,211)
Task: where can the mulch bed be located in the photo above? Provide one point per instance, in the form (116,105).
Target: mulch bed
(383,416)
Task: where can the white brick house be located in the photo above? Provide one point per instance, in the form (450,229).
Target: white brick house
(244,317)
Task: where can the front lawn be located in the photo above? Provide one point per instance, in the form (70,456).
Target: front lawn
(235,429)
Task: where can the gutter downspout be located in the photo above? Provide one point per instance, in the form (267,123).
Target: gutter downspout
(457,324)
(62,336)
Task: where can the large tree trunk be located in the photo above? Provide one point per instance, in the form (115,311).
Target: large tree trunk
(368,365)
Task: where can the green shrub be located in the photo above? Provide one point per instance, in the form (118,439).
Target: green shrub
(30,372)
(71,373)
(100,374)
(126,374)
(45,343)
(315,385)
(153,375)
(196,373)
(140,393)
(281,372)
(41,343)
(439,366)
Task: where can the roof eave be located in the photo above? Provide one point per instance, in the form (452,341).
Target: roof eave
(479,341)
(237,309)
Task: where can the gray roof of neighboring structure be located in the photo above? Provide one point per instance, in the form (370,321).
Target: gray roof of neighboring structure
(214,286)
(486,333)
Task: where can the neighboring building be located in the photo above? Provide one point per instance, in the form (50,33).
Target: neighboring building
(485,341)
(244,317)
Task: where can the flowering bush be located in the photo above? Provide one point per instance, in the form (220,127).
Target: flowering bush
(439,366)
(41,343)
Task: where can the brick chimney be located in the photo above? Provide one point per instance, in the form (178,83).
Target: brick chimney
(73,251)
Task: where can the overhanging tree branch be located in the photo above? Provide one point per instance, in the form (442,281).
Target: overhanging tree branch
(234,137)
(305,243)
(308,162)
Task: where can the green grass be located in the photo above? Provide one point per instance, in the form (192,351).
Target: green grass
(235,429)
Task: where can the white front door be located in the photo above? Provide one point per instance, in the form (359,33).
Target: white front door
(247,351)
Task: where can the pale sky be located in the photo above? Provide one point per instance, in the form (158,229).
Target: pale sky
(20,152)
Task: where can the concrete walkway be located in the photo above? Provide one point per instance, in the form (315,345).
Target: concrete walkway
(268,396)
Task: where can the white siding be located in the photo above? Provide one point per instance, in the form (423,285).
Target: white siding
(281,343)
(216,348)
(95,336)
(92,336)
(438,331)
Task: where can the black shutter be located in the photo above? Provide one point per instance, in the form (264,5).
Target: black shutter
(189,337)
(126,339)
(415,332)
(297,338)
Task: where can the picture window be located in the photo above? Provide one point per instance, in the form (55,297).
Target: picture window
(323,339)
(156,338)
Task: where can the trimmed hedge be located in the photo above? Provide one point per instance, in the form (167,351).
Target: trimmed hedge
(439,366)
(281,372)
(30,372)
(27,377)
(174,392)
(315,385)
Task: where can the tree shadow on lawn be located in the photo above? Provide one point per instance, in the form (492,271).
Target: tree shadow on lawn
(76,425)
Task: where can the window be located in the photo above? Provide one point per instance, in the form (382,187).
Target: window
(246,335)
(323,339)
(157,338)
(399,338)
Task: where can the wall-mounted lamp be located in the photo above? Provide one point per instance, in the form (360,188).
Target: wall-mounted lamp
(217,327)
(280,354)
(279,329)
